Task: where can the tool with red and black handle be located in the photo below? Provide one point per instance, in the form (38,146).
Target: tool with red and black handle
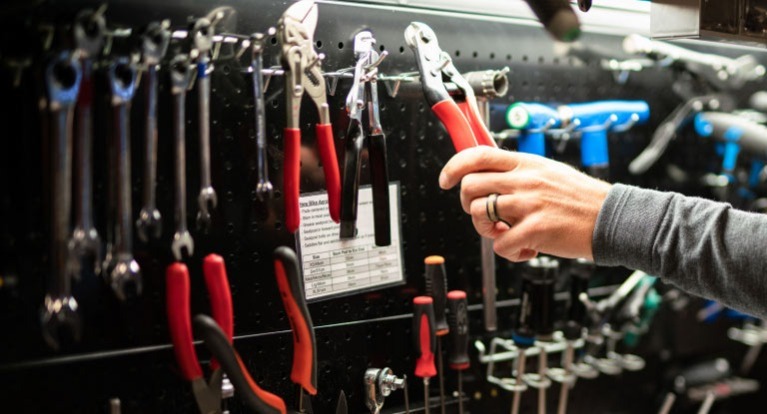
(436,287)
(291,286)
(458,320)
(425,342)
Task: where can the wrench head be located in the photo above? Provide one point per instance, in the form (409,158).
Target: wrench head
(208,201)
(62,79)
(60,320)
(149,224)
(304,12)
(122,80)
(89,32)
(182,241)
(154,42)
(125,278)
(86,243)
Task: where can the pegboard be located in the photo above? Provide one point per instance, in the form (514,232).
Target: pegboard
(125,350)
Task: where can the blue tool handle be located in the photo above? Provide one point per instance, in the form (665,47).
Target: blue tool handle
(595,114)
(530,116)
(532,143)
(733,129)
(595,150)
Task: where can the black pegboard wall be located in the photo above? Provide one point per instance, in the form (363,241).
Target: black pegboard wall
(125,350)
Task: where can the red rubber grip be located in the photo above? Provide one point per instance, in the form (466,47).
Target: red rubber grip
(478,128)
(267,397)
(291,185)
(179,320)
(327,149)
(424,336)
(456,124)
(302,372)
(214,269)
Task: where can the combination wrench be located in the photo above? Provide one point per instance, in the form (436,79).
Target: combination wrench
(89,30)
(180,77)
(264,187)
(154,45)
(126,272)
(203,41)
(59,312)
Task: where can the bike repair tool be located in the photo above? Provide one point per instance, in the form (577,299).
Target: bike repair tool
(89,30)
(303,74)
(264,187)
(435,279)
(533,120)
(364,93)
(291,285)
(254,397)
(379,383)
(462,120)
(540,275)
(208,395)
(558,17)
(59,311)
(736,132)
(180,77)
(458,319)
(154,45)
(126,272)
(424,340)
(341,406)
(202,39)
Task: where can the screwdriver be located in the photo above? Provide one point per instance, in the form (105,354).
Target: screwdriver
(424,340)
(541,274)
(458,320)
(436,287)
(523,338)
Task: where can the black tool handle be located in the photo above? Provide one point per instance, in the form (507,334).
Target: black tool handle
(436,287)
(379,177)
(458,320)
(424,338)
(355,141)
(580,273)
(557,17)
(542,274)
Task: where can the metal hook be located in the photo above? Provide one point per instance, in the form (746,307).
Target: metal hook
(628,125)
(378,61)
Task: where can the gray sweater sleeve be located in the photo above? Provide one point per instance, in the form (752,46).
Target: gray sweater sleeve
(704,247)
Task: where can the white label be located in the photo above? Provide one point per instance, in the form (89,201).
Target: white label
(332,266)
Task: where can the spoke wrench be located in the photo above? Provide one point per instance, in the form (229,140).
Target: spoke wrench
(203,40)
(180,76)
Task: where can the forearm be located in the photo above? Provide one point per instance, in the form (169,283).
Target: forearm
(704,247)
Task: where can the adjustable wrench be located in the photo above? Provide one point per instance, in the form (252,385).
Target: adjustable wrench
(126,272)
(264,186)
(203,40)
(180,76)
(59,311)
(154,44)
(89,29)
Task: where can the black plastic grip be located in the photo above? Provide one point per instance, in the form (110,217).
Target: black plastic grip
(436,287)
(458,320)
(541,274)
(557,17)
(379,178)
(580,273)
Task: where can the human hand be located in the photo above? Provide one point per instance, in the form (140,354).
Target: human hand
(552,207)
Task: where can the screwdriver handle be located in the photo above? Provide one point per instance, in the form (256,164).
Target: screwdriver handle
(580,273)
(458,320)
(424,337)
(436,287)
(304,371)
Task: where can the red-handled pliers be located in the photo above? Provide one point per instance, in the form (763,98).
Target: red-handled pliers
(303,74)
(207,394)
(461,119)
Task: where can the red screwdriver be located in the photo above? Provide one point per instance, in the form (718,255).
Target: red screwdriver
(436,287)
(458,356)
(424,340)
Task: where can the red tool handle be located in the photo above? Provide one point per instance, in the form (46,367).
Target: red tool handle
(424,337)
(179,320)
(478,128)
(271,400)
(330,165)
(214,269)
(304,371)
(456,124)
(291,185)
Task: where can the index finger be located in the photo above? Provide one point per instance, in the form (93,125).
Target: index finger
(477,159)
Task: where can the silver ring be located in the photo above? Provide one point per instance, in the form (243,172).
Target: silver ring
(491,208)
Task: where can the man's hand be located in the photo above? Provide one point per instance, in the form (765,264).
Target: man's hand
(552,208)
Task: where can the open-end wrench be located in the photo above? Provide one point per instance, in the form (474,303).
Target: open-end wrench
(89,29)
(203,40)
(264,187)
(126,273)
(154,44)
(59,311)
(180,76)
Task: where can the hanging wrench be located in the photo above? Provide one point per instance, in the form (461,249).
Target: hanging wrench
(126,273)
(59,311)
(180,76)
(203,40)
(89,29)
(154,44)
(264,187)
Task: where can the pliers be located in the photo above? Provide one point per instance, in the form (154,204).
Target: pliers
(303,74)
(461,119)
(207,394)
(363,93)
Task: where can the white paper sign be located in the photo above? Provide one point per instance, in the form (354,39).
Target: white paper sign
(332,266)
